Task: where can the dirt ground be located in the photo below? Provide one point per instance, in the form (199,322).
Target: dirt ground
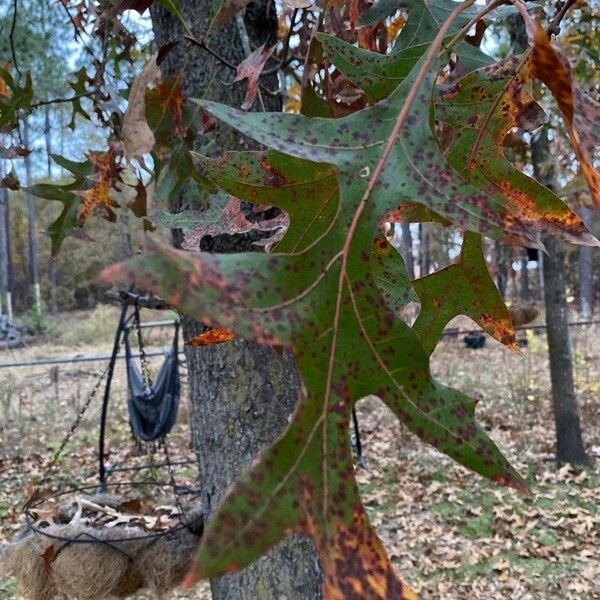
(451,534)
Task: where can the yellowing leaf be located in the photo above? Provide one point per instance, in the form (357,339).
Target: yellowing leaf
(580,111)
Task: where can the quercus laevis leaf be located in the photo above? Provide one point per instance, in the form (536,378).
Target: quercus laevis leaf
(425,18)
(66,223)
(324,303)
(416,170)
(378,75)
(581,112)
(13,98)
(463,288)
(482,107)
(307,191)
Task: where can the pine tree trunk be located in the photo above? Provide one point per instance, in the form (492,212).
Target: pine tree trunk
(569,442)
(502,268)
(52,264)
(5,249)
(242,394)
(586,271)
(406,246)
(424,260)
(524,287)
(31,230)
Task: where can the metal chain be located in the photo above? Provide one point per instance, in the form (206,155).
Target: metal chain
(143,357)
(67,438)
(163,443)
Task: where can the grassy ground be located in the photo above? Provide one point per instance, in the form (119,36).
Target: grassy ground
(451,534)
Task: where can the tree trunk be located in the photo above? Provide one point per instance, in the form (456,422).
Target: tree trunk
(406,246)
(524,287)
(52,264)
(5,250)
(569,442)
(502,268)
(31,230)
(586,271)
(236,386)
(424,260)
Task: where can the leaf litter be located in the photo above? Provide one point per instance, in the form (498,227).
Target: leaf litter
(449,533)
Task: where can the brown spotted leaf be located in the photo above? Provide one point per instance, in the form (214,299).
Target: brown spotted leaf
(479,109)
(482,107)
(348,342)
(463,288)
(581,112)
(11,181)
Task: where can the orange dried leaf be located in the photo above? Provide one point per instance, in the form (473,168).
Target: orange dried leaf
(105,177)
(580,111)
(212,337)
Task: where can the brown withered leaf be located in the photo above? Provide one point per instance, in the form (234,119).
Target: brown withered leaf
(211,337)
(106,175)
(10,181)
(138,138)
(251,68)
(48,558)
(13,152)
(580,111)
(139,205)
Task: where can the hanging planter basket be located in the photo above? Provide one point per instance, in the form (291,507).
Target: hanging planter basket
(100,546)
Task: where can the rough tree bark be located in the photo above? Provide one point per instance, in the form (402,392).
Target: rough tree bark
(242,394)
(586,270)
(569,441)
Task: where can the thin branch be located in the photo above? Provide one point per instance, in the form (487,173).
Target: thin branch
(463,32)
(202,44)
(288,37)
(12,36)
(244,37)
(554,27)
(64,100)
